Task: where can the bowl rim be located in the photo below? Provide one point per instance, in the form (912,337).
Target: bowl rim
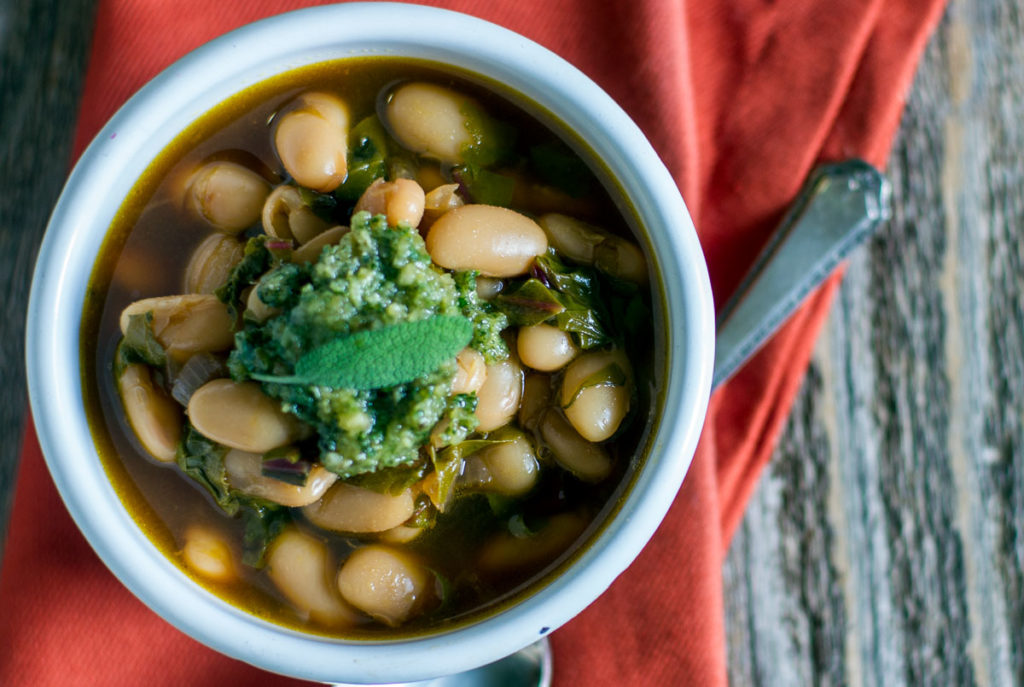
(227,65)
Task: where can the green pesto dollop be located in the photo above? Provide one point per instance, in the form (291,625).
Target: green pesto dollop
(376,276)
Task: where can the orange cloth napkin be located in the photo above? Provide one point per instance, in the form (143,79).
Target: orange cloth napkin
(741,98)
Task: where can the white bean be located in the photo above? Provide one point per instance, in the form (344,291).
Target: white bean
(571,237)
(386,583)
(582,458)
(496,241)
(310,252)
(401,200)
(544,347)
(498,397)
(592,245)
(621,258)
(240,415)
(432,120)
(536,399)
(154,416)
(245,473)
(208,554)
(505,553)
(186,325)
(286,216)
(299,565)
(311,139)
(348,508)
(596,411)
(255,309)
(471,373)
(227,195)
(211,263)
(438,201)
(509,468)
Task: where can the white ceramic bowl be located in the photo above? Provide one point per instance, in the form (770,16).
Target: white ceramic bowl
(194,85)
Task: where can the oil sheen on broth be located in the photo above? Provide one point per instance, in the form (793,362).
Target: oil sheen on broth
(368,208)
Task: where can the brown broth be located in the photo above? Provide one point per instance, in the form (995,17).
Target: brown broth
(145,253)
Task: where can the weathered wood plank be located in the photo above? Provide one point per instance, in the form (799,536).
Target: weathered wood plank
(899,478)
(43,49)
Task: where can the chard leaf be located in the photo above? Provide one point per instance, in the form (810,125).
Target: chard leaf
(381,358)
(529,303)
(484,186)
(256,260)
(367,144)
(391,480)
(262,525)
(286,465)
(448,466)
(556,165)
(139,344)
(203,461)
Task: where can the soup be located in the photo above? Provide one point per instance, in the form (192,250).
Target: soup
(368,350)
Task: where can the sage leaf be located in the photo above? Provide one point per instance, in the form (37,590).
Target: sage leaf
(381,358)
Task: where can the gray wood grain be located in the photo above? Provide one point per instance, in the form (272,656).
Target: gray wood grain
(43,49)
(885,543)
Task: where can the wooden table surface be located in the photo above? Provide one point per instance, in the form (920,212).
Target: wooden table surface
(885,542)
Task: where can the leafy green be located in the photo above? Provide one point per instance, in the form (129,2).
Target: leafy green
(263,523)
(139,345)
(571,302)
(392,480)
(381,358)
(255,261)
(367,158)
(556,165)
(203,461)
(484,186)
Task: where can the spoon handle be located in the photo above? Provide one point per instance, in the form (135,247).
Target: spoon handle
(838,208)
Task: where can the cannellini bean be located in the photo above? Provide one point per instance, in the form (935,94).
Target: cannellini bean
(245,473)
(536,399)
(488,287)
(310,252)
(471,373)
(186,325)
(154,416)
(299,565)
(240,415)
(256,309)
(498,397)
(211,263)
(592,245)
(508,468)
(582,458)
(403,534)
(227,195)
(401,200)
(544,347)
(595,411)
(286,216)
(496,241)
(505,553)
(386,583)
(433,121)
(440,200)
(208,554)
(311,139)
(621,258)
(571,237)
(348,508)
